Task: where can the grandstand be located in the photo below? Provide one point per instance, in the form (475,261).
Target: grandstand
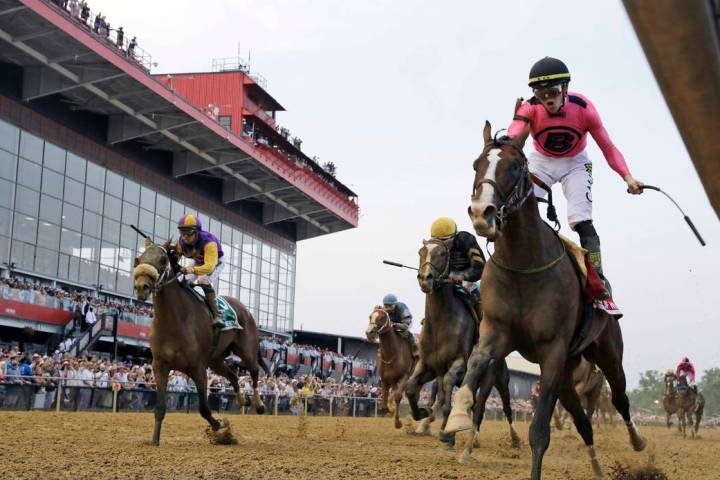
(91,143)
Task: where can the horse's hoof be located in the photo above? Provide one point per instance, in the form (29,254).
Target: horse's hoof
(447,438)
(398,424)
(515,443)
(422,413)
(423,429)
(260,410)
(458,421)
(464,458)
(639,444)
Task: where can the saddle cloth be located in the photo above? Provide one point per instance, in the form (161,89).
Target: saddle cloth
(589,279)
(227,313)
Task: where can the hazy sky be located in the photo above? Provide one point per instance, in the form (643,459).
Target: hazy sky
(396,93)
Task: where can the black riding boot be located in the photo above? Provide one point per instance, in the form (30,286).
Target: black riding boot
(210,298)
(592,245)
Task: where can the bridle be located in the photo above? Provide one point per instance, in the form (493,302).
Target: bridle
(439,274)
(164,277)
(382,329)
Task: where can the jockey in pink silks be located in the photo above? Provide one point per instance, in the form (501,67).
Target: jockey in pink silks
(559,122)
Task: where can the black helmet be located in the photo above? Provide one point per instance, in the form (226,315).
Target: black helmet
(548,72)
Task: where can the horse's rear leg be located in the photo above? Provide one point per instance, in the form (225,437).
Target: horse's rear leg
(161,380)
(200,379)
(251,363)
(397,398)
(607,354)
(571,401)
(502,384)
(221,368)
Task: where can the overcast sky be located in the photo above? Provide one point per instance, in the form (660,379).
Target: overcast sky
(395,93)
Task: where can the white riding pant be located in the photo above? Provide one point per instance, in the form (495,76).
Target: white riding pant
(575,176)
(210,279)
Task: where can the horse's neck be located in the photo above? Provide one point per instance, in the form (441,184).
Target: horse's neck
(526,242)
(437,303)
(389,340)
(169,302)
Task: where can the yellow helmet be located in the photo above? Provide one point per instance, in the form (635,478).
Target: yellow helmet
(443,227)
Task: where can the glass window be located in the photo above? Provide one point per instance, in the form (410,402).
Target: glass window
(8,162)
(70,242)
(88,272)
(132,192)
(74,269)
(129,213)
(91,224)
(31,147)
(161,228)
(27,201)
(147,198)
(9,137)
(4,249)
(162,206)
(74,192)
(225,121)
(50,209)
(125,259)
(93,200)
(214,226)
(75,167)
(111,230)
(54,157)
(25,228)
(108,254)
(177,210)
(49,236)
(90,248)
(6,194)
(72,217)
(114,184)
(128,237)
(147,221)
(107,278)
(52,183)
(124,283)
(5,221)
(46,261)
(63,265)
(113,207)
(23,254)
(29,174)
(95,176)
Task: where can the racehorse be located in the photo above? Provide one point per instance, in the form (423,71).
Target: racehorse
(394,359)
(532,303)
(685,402)
(606,412)
(449,332)
(182,337)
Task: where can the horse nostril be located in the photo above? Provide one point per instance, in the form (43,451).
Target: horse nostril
(489,212)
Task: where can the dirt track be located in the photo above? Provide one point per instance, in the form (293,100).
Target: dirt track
(102,445)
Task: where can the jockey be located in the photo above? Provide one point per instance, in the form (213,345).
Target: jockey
(467,261)
(686,369)
(559,121)
(205,253)
(401,319)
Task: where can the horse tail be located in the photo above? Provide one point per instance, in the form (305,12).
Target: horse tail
(262,361)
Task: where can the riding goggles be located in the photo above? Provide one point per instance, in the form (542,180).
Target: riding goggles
(544,92)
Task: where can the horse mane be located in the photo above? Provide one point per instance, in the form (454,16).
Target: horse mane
(173,255)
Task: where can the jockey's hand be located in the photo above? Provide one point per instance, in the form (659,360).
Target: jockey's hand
(456,277)
(186,270)
(634,186)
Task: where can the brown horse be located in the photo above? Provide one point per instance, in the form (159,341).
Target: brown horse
(182,337)
(448,334)
(394,359)
(605,412)
(685,402)
(532,303)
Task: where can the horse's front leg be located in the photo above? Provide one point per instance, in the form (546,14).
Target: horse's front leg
(161,380)
(420,377)
(449,381)
(551,370)
(200,378)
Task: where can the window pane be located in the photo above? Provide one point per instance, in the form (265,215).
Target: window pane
(88,272)
(114,184)
(52,183)
(107,278)
(25,228)
(113,207)
(5,220)
(72,217)
(161,229)
(8,163)
(176,211)
(111,231)
(95,176)
(128,237)
(129,214)
(108,254)
(6,194)
(29,174)
(46,261)
(147,199)
(23,254)
(74,192)
(74,269)
(147,221)
(54,157)
(93,200)
(91,224)
(125,259)
(9,137)
(214,226)
(90,248)
(4,249)
(27,201)
(31,147)
(124,283)
(132,192)
(70,242)
(75,167)
(50,209)
(49,236)
(162,205)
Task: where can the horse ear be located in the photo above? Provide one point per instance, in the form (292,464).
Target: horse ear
(148,242)
(167,243)
(487,133)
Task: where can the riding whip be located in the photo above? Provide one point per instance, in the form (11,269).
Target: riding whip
(395,264)
(687,219)
(140,232)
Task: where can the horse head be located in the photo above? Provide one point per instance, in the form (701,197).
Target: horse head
(502,183)
(379,323)
(434,263)
(670,379)
(151,267)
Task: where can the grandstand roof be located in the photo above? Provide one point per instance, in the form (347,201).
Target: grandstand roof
(61,57)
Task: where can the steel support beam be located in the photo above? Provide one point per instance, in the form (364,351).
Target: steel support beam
(122,128)
(40,82)
(12,10)
(273,213)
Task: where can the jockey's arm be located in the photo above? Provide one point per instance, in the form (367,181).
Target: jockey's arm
(210,254)
(476,258)
(520,125)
